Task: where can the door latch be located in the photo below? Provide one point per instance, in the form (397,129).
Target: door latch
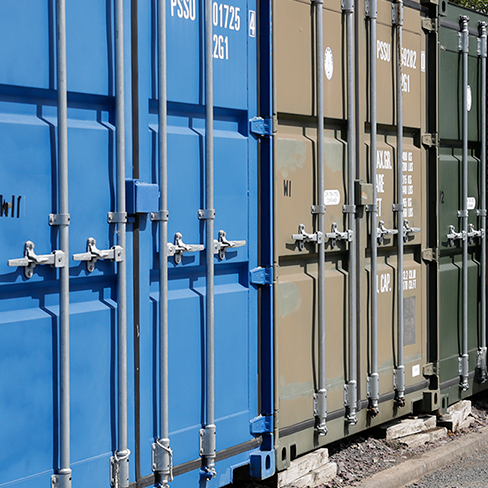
(472,233)
(335,235)
(223,244)
(57,259)
(93,254)
(382,231)
(302,237)
(179,247)
(407,230)
(453,235)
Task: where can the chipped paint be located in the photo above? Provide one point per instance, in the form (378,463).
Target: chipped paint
(295,390)
(290,155)
(289,299)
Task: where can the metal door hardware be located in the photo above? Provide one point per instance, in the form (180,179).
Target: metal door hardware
(162,458)
(335,235)
(179,247)
(453,235)
(57,259)
(430,25)
(320,411)
(481,365)
(382,231)
(473,233)
(302,237)
(407,230)
(208,449)
(397,13)
(263,126)
(430,254)
(430,139)
(261,276)
(93,254)
(223,244)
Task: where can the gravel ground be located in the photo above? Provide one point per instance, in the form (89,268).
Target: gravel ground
(471,472)
(360,457)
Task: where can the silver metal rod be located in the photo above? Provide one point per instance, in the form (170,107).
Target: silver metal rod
(122,453)
(321,395)
(163,168)
(400,368)
(483,54)
(351,387)
(64,473)
(209,443)
(163,455)
(374,376)
(464,370)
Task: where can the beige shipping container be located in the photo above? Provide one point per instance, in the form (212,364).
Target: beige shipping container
(296,188)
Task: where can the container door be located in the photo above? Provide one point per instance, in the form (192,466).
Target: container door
(456,275)
(413,199)
(30,347)
(234,51)
(348,348)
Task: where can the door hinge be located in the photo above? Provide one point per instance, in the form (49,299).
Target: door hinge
(430,25)
(261,425)
(430,254)
(430,139)
(263,126)
(261,276)
(428,369)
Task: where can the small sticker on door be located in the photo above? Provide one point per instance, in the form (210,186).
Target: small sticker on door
(332,197)
(252,23)
(422,61)
(415,370)
(469,100)
(328,63)
(471,203)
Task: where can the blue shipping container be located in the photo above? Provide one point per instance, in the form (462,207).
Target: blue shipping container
(82,379)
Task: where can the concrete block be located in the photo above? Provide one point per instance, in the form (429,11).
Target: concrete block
(414,425)
(465,423)
(303,466)
(323,474)
(456,414)
(416,440)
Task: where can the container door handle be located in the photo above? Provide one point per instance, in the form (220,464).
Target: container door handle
(382,231)
(30,260)
(335,235)
(179,247)
(407,230)
(223,244)
(93,254)
(302,237)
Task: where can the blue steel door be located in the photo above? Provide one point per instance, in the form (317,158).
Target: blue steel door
(236,178)
(29,307)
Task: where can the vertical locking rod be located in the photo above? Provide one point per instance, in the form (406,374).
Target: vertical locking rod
(351,386)
(373,380)
(63,477)
(162,454)
(321,394)
(121,456)
(464,359)
(399,372)
(482,349)
(209,432)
